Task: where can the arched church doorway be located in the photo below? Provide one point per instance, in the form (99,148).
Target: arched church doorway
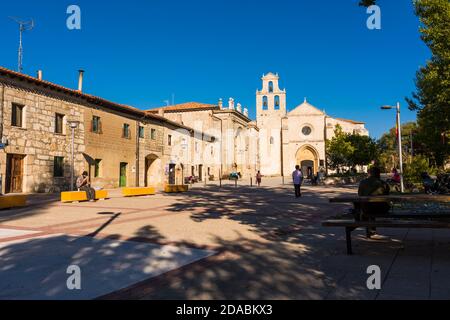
(307,168)
(153,174)
(308,159)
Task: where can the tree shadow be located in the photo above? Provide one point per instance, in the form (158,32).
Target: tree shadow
(36,268)
(272,213)
(255,270)
(294,257)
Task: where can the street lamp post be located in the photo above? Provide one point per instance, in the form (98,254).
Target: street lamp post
(400,151)
(73,125)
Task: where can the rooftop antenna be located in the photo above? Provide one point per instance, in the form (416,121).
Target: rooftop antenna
(23,26)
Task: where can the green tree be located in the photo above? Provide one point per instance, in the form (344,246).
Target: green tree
(388,147)
(432,97)
(350,150)
(365,150)
(339,150)
(413,170)
(367,3)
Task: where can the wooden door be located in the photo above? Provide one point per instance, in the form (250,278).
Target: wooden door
(14,173)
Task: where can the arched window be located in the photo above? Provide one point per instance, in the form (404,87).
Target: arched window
(277,102)
(272,140)
(271,86)
(265,103)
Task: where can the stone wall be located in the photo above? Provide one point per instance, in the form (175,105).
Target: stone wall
(111,147)
(37,141)
(152,150)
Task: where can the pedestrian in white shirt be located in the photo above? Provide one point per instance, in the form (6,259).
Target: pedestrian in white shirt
(297,177)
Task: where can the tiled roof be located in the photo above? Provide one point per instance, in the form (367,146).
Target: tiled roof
(350,121)
(188,106)
(90,98)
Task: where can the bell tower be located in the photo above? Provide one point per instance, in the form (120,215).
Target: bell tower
(270,111)
(271,100)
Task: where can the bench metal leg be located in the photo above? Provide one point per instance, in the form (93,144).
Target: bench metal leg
(348,235)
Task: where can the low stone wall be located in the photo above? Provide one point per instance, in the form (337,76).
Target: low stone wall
(333,181)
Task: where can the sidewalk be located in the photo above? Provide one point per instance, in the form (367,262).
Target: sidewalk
(268,245)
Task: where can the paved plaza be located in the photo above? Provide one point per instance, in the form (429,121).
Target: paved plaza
(212,243)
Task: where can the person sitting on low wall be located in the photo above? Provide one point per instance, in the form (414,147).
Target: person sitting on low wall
(83,184)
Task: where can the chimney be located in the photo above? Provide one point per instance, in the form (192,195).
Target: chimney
(231,104)
(161,112)
(39,74)
(80,80)
(246,112)
(220,103)
(239,107)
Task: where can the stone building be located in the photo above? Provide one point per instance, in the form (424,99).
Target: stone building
(118,145)
(297,137)
(35,136)
(226,139)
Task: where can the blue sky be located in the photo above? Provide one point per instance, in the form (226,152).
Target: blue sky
(141,52)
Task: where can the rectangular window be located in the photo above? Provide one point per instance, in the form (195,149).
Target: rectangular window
(141,132)
(97,164)
(17,115)
(126,131)
(169,140)
(58,167)
(96,124)
(153,134)
(59,123)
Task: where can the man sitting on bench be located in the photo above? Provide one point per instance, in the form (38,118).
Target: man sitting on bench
(373,186)
(83,184)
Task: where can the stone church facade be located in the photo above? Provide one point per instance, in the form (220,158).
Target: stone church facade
(297,137)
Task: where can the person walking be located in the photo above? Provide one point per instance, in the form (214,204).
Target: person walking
(297,177)
(83,184)
(258,178)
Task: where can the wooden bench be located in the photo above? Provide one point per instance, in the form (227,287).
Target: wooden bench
(136,192)
(176,188)
(13,201)
(351,225)
(409,198)
(78,196)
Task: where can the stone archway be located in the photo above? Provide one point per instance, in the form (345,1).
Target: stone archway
(153,173)
(307,158)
